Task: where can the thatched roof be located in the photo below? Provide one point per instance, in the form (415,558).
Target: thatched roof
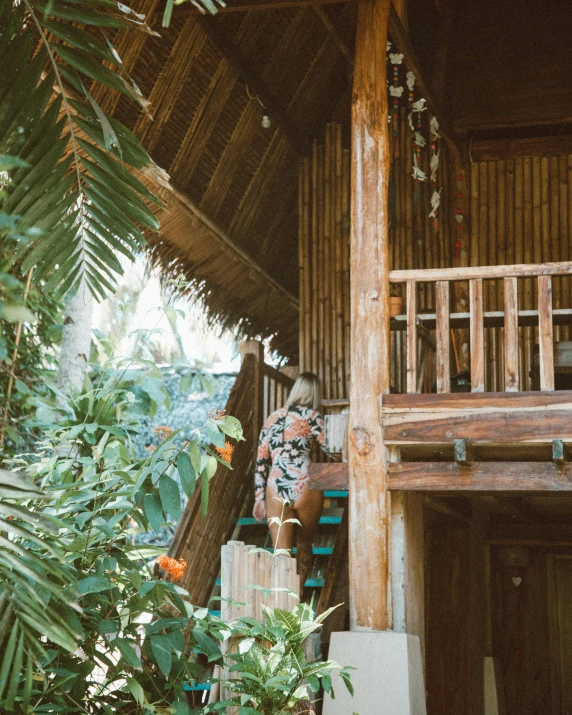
(231,223)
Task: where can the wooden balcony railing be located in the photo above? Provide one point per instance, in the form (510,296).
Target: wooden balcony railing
(442,321)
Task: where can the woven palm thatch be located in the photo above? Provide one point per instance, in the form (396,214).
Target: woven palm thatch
(230,225)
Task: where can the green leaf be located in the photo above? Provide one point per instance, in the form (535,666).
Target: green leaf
(126,648)
(206,645)
(214,434)
(153,510)
(195,452)
(231,427)
(136,690)
(161,648)
(170,496)
(92,584)
(187,474)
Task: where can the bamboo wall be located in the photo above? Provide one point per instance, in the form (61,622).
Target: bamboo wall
(521,212)
(513,211)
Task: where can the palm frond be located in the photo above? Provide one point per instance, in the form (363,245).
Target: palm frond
(76,190)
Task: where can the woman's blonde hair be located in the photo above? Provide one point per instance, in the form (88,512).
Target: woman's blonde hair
(306,392)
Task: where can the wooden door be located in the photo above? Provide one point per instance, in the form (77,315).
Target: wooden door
(560,620)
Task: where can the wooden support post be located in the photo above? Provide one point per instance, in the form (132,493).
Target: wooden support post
(511,381)
(545,333)
(256,348)
(443,337)
(407,564)
(559,452)
(477,336)
(411,307)
(368,500)
(463,451)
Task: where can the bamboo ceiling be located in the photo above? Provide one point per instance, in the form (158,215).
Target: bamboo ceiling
(225,167)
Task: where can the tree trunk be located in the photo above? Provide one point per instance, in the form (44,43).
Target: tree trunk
(76,340)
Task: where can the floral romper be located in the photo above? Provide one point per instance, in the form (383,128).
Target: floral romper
(284,451)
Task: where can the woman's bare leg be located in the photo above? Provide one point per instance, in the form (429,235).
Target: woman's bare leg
(275,508)
(307,510)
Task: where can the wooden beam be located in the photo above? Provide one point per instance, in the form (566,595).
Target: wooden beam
(329,476)
(300,141)
(500,149)
(335,36)
(519,270)
(248,5)
(370,587)
(531,477)
(463,451)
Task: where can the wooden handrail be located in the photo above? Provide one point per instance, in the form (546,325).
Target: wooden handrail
(275,374)
(510,320)
(518,270)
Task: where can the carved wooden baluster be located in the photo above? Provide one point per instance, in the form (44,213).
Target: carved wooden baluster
(511,378)
(443,337)
(477,335)
(411,337)
(545,333)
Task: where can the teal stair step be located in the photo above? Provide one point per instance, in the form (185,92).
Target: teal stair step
(314,583)
(214,612)
(251,521)
(310,583)
(197,686)
(336,495)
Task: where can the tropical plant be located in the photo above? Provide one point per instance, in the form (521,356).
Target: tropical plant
(269,671)
(84,624)
(73,184)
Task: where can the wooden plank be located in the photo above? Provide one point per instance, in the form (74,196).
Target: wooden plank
(491,319)
(545,333)
(532,477)
(507,427)
(248,5)
(369,286)
(511,373)
(443,337)
(329,475)
(411,359)
(518,270)
(477,336)
(491,401)
(463,450)
(496,149)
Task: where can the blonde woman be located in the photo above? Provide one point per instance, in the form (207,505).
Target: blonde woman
(282,470)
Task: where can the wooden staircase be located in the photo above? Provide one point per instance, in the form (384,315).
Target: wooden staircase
(259,390)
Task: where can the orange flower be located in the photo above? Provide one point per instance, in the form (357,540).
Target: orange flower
(162,432)
(175,569)
(226,452)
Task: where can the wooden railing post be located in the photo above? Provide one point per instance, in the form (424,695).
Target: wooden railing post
(411,357)
(545,333)
(443,337)
(477,335)
(511,377)
(256,349)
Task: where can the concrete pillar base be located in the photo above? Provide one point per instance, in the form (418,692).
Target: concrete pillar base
(389,676)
